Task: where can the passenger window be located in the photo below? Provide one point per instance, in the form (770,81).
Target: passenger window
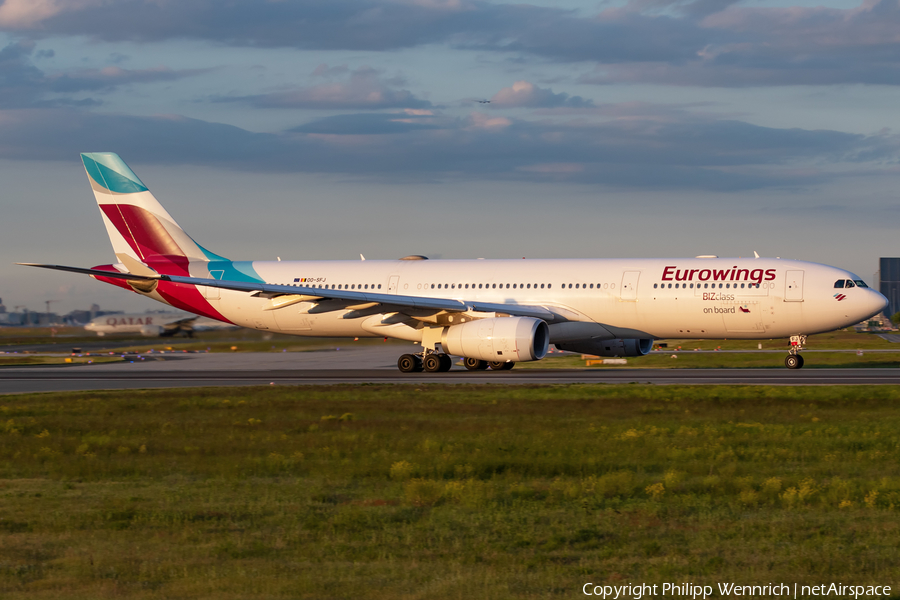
(570,286)
(507,286)
(670,286)
(494,286)
(654,286)
(542,286)
(479,286)
(528,287)
(576,286)
(514,286)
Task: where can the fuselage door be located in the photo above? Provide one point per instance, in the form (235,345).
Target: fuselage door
(393,283)
(793,286)
(628,289)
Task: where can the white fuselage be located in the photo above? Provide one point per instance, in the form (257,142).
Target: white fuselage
(629,298)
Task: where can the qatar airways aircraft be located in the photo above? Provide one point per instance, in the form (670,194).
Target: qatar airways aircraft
(493,313)
(155,324)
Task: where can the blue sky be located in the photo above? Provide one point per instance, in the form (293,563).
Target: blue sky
(328,128)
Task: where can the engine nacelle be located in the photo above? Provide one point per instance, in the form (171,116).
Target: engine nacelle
(617,347)
(516,339)
(151,330)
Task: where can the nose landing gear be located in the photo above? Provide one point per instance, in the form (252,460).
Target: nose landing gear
(794,360)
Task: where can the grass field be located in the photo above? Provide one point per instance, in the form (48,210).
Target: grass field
(444,491)
(729,360)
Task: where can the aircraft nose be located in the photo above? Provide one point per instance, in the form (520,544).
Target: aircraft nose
(874,303)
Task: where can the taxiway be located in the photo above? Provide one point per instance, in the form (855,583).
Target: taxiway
(378,365)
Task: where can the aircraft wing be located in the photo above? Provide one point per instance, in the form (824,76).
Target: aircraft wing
(353,300)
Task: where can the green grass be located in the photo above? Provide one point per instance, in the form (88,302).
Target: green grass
(24,359)
(690,360)
(444,491)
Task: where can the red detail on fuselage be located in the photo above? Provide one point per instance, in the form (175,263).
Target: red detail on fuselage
(168,264)
(116,282)
(180,295)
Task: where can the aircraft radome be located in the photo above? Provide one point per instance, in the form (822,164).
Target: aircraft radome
(493,313)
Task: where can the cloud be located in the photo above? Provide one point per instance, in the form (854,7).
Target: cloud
(108,78)
(525,94)
(370,124)
(363,88)
(699,152)
(24,85)
(698,43)
(23,14)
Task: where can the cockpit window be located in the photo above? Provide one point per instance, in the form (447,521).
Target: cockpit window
(860,283)
(849,284)
(839,284)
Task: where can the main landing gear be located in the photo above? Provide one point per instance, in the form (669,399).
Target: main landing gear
(436,362)
(432,363)
(794,360)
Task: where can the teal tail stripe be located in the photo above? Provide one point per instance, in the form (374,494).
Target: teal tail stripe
(110,172)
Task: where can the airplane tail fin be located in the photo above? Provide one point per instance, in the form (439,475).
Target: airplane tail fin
(138,226)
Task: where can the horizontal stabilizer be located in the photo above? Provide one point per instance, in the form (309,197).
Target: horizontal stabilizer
(98,272)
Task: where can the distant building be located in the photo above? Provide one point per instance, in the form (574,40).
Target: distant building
(889,283)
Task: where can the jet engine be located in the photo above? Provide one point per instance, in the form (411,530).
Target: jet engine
(617,347)
(515,339)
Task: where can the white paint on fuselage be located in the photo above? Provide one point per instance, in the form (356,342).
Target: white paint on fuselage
(661,312)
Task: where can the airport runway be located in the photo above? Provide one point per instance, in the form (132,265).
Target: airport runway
(377,365)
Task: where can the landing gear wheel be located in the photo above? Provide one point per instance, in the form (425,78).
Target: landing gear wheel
(409,363)
(446,362)
(793,361)
(475,364)
(500,365)
(432,363)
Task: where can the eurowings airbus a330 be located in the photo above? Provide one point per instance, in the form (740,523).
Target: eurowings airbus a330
(492,313)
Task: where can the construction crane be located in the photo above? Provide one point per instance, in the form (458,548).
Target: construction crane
(47,302)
